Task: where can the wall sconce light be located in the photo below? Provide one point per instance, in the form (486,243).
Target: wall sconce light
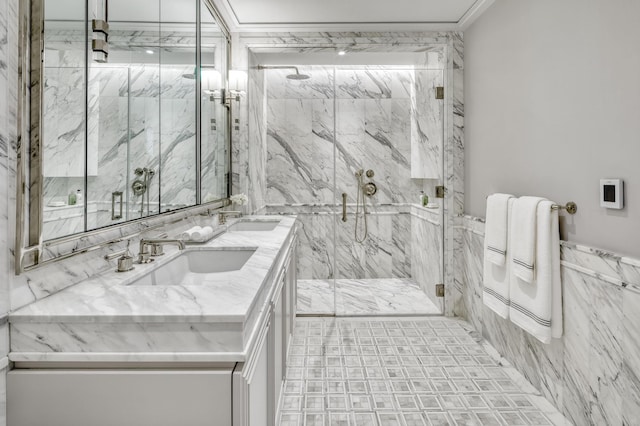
(211,81)
(237,84)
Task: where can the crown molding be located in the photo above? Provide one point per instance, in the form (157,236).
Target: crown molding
(473,13)
(227,13)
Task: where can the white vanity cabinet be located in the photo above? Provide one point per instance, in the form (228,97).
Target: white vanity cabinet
(258,383)
(141,397)
(211,387)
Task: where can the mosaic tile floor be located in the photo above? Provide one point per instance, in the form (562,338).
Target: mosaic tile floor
(403,371)
(388,296)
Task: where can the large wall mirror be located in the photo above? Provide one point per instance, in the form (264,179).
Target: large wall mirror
(128,112)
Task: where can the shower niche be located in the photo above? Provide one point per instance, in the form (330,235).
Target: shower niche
(349,150)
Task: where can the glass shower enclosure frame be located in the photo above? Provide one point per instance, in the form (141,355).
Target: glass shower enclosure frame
(386,123)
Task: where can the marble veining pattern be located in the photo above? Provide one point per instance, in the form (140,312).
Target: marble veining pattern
(319,131)
(125,105)
(106,313)
(392,296)
(8,142)
(414,371)
(442,50)
(592,373)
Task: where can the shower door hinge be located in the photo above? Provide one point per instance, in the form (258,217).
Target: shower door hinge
(440,191)
(439,290)
(439,92)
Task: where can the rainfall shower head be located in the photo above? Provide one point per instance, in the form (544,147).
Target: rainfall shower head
(296,76)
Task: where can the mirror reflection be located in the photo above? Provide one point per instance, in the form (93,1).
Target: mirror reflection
(133,115)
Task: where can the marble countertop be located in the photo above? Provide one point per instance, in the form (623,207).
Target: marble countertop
(110,299)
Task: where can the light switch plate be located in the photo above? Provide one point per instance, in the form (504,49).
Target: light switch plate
(612,193)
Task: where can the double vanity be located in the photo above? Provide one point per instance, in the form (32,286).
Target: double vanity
(198,336)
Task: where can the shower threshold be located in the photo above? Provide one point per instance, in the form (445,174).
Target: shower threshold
(364,297)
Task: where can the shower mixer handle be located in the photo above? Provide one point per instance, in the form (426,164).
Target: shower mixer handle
(369,189)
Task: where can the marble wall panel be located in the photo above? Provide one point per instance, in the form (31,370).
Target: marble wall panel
(442,50)
(427,131)
(316,246)
(426,250)
(8,141)
(591,373)
(3,394)
(630,377)
(453,168)
(252,121)
(373,121)
(137,115)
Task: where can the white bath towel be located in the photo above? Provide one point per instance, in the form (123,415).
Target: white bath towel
(523,243)
(188,234)
(538,308)
(496,277)
(495,237)
(202,234)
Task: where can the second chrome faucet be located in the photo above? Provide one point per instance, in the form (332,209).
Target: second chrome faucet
(156,248)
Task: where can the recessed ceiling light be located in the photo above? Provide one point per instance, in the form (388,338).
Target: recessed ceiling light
(150,52)
(342,52)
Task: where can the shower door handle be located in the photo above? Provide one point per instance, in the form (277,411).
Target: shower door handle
(344,206)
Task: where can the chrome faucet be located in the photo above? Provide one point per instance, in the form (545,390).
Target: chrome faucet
(144,255)
(222,216)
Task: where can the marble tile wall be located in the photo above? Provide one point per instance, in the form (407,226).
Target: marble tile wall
(376,111)
(257,146)
(8,140)
(140,115)
(427,250)
(442,50)
(592,374)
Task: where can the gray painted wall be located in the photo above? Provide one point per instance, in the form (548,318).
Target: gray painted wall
(552,93)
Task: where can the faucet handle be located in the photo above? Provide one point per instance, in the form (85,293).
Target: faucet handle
(125,262)
(156,250)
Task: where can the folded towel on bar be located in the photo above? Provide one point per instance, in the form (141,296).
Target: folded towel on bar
(523,237)
(496,277)
(495,237)
(538,308)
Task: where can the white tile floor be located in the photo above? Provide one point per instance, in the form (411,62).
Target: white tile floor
(388,296)
(403,371)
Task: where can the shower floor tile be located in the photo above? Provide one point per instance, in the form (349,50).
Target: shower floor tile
(388,296)
(403,371)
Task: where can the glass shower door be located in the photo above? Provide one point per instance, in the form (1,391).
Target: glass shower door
(300,169)
(389,151)
(385,124)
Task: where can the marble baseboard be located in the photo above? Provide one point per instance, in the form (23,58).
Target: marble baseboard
(592,373)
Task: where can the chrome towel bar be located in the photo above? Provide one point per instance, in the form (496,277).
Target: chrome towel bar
(570,207)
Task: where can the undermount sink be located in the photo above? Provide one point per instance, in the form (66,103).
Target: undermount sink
(197,267)
(254,225)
